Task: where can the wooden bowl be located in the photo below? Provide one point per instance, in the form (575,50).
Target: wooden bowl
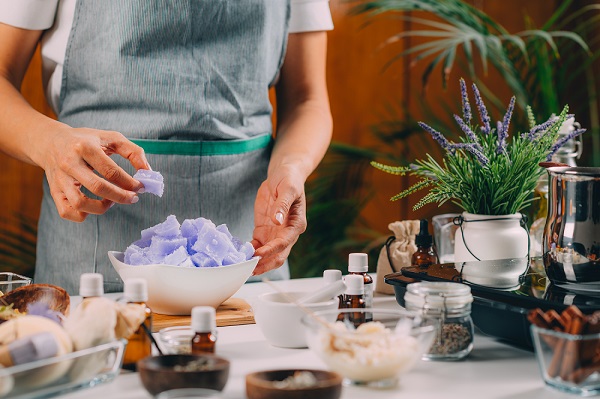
(259,385)
(159,374)
(55,297)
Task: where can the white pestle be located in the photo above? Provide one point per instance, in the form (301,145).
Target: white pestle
(324,294)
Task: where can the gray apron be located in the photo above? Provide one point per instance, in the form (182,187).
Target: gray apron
(186,80)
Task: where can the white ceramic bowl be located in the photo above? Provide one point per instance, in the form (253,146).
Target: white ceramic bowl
(281,321)
(175,290)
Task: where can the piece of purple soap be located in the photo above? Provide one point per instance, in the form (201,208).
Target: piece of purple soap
(153,181)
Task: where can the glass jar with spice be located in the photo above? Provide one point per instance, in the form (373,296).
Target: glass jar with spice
(449,304)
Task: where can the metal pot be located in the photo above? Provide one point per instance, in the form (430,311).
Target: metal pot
(571,240)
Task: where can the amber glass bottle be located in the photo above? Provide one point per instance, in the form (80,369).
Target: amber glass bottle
(425,254)
(358,264)
(354,299)
(204,325)
(139,344)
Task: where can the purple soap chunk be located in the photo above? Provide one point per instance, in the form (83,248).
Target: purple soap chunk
(132,249)
(143,243)
(223,229)
(176,257)
(152,181)
(168,228)
(188,229)
(203,260)
(194,243)
(233,258)
(187,263)
(248,250)
(137,259)
(162,246)
(213,243)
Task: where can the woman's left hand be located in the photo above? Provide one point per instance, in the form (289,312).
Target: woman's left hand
(279,218)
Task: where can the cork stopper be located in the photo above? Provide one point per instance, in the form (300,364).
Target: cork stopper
(355,285)
(332,275)
(136,290)
(91,284)
(204,319)
(358,262)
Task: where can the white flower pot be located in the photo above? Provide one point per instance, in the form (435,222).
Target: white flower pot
(490,237)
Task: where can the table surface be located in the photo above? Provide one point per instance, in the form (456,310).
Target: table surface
(492,370)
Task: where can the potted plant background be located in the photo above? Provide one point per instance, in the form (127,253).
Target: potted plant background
(488,174)
(555,68)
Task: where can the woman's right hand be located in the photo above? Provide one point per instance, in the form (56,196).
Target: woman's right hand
(79,157)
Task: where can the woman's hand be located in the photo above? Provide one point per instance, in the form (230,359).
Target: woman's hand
(75,158)
(279,218)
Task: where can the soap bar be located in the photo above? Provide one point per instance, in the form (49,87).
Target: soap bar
(153,181)
(193,243)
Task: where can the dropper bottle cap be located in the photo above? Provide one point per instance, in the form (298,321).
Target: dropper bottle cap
(204,319)
(423,239)
(358,262)
(330,276)
(91,284)
(136,290)
(355,285)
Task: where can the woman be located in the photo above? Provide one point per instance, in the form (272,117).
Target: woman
(181,86)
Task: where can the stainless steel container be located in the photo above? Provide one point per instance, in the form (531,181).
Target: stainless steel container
(571,239)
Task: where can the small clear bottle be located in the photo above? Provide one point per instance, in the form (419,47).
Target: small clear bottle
(425,254)
(204,325)
(91,285)
(358,264)
(139,344)
(354,299)
(449,306)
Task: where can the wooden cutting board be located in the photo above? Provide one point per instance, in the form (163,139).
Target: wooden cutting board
(232,312)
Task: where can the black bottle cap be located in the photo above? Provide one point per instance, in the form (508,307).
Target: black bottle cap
(424,239)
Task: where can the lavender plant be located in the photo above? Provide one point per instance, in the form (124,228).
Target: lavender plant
(486,173)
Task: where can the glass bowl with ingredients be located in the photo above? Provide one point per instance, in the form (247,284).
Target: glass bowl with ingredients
(369,346)
(568,362)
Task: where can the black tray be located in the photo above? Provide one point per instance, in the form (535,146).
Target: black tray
(501,313)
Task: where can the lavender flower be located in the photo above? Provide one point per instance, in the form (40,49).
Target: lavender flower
(485,118)
(466,106)
(502,130)
(562,141)
(472,148)
(466,129)
(437,136)
(542,127)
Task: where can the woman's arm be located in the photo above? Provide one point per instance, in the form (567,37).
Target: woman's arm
(304,129)
(68,156)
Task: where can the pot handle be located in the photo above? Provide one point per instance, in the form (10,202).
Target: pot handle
(547,165)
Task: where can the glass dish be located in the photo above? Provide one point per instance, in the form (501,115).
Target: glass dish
(567,362)
(366,353)
(189,393)
(62,374)
(176,340)
(10,281)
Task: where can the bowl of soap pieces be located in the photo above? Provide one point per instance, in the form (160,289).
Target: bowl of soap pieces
(195,263)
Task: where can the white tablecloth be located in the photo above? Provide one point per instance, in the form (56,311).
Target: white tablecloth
(492,370)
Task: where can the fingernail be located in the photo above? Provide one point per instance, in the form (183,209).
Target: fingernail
(279,217)
(141,190)
(135,199)
(111,205)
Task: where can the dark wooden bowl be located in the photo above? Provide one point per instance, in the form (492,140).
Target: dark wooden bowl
(55,297)
(259,385)
(158,373)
